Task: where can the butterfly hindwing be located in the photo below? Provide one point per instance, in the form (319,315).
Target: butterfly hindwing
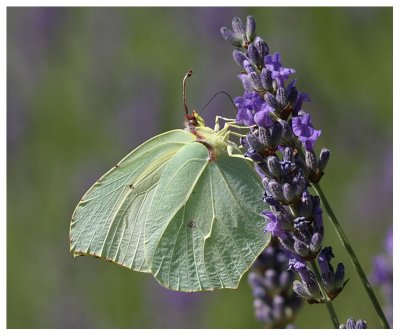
(204,228)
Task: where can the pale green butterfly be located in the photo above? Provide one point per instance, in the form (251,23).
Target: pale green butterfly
(185,206)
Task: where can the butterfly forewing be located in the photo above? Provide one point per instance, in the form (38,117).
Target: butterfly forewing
(109,220)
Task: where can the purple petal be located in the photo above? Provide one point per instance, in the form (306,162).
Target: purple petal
(245,117)
(263,117)
(304,130)
(273,226)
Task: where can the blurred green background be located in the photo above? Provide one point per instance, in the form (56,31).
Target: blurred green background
(87,85)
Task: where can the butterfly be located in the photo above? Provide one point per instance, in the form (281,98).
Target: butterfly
(185,206)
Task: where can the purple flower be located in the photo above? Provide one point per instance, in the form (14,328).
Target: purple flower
(279,73)
(245,107)
(300,266)
(382,275)
(274,226)
(252,109)
(305,131)
(263,117)
(383,268)
(245,117)
(302,97)
(389,243)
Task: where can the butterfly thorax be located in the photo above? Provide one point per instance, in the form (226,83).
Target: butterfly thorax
(210,138)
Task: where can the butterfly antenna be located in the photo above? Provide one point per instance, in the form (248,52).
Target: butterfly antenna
(188,74)
(212,98)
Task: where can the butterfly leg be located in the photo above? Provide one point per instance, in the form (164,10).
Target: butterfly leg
(229,133)
(218,118)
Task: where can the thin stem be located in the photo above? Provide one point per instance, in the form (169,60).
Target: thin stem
(353,257)
(328,302)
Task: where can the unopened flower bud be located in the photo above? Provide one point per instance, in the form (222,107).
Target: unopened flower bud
(266,78)
(301,248)
(328,281)
(323,159)
(261,46)
(264,136)
(301,185)
(254,55)
(287,133)
(305,206)
(339,277)
(274,166)
(361,324)
(288,244)
(239,57)
(288,154)
(248,67)
(250,28)
(254,143)
(281,97)
(238,28)
(311,161)
(256,81)
(316,242)
(276,134)
(271,100)
(288,192)
(275,189)
(234,39)
(352,324)
(301,290)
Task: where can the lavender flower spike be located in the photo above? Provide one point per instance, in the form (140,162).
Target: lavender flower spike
(278,129)
(275,303)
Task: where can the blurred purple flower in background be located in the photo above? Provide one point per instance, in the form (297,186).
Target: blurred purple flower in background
(275,303)
(34,36)
(382,274)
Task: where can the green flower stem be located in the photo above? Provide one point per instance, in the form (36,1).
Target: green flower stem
(352,255)
(328,302)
